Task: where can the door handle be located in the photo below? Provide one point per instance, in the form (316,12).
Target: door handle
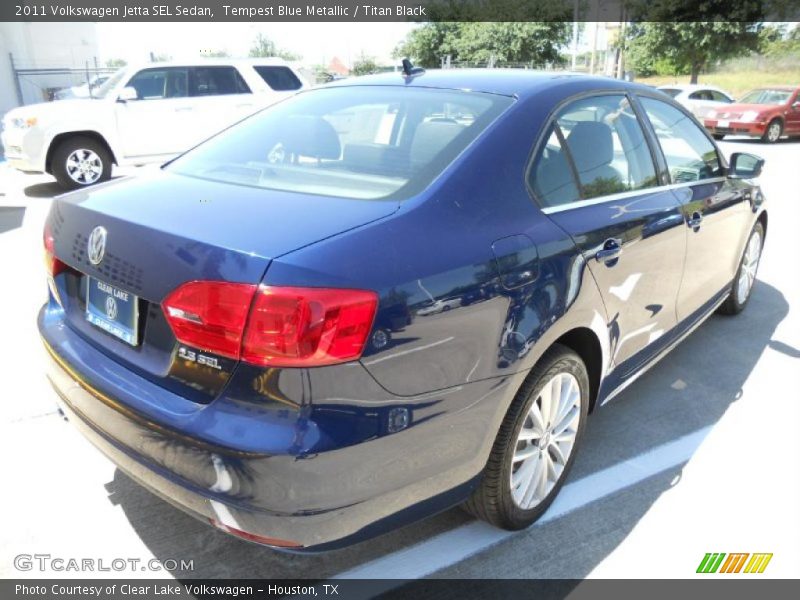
(610,251)
(695,220)
(183,109)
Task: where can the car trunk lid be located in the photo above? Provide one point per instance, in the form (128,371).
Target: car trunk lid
(163,230)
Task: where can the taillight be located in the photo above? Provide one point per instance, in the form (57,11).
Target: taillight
(305,327)
(272,326)
(51,263)
(210,315)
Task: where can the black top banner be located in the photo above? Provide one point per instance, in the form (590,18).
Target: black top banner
(399,10)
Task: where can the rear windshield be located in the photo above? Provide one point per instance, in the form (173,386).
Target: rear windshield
(358,142)
(280,79)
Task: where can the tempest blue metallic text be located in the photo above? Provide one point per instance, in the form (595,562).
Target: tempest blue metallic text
(382,298)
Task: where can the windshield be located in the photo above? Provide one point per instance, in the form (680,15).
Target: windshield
(364,142)
(109,84)
(672,92)
(766,96)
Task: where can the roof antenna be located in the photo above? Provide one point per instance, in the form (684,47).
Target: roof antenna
(409,70)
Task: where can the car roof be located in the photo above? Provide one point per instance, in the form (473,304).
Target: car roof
(508,82)
(786,88)
(689,87)
(199,62)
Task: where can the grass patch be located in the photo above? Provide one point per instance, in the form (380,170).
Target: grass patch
(737,82)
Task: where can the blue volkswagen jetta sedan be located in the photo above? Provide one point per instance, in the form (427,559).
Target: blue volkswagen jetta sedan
(383,298)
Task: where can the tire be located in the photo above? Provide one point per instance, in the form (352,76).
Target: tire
(494,500)
(380,339)
(718,136)
(773,132)
(742,285)
(80,161)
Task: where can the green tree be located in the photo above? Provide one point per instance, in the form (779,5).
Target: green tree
(428,43)
(501,43)
(265,47)
(116,63)
(364,65)
(512,43)
(689,47)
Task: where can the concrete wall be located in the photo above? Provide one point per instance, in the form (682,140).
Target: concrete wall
(43,45)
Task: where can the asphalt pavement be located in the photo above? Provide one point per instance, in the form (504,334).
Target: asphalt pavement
(701,454)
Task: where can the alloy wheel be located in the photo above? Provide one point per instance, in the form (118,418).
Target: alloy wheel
(84,166)
(747,273)
(774,132)
(545,441)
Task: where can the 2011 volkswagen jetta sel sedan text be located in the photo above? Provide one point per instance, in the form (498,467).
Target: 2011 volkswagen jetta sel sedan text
(385,297)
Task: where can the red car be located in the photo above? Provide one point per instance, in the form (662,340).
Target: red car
(768,113)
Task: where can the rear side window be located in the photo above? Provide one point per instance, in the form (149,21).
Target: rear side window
(551,177)
(355,142)
(280,79)
(605,148)
(216,81)
(690,155)
(157,84)
(720,97)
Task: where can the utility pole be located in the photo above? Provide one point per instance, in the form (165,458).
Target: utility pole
(575,35)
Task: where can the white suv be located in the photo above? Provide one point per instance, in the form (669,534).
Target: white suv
(140,115)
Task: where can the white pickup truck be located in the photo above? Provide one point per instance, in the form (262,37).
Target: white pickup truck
(141,115)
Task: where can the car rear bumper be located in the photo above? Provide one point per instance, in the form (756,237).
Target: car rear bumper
(735,128)
(304,503)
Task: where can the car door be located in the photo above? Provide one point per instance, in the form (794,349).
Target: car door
(792,115)
(716,209)
(704,101)
(158,121)
(219,97)
(596,178)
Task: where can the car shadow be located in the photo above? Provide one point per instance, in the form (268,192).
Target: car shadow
(688,391)
(49,189)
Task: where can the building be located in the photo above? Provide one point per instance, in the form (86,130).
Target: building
(36,58)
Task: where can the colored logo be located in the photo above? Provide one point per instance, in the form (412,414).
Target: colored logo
(741,562)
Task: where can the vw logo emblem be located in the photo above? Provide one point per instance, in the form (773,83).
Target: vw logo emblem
(111,308)
(96,247)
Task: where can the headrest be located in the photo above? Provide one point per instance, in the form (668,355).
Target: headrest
(310,136)
(591,144)
(431,137)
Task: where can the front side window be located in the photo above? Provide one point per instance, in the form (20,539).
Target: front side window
(216,81)
(156,84)
(690,155)
(720,97)
(357,141)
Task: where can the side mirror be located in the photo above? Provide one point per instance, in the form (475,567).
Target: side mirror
(796,105)
(745,166)
(128,93)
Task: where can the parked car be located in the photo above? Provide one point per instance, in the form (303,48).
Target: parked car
(84,90)
(206,322)
(768,113)
(700,99)
(140,115)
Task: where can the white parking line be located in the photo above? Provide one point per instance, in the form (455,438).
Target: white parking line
(462,542)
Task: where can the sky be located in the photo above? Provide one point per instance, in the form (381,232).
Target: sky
(317,43)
